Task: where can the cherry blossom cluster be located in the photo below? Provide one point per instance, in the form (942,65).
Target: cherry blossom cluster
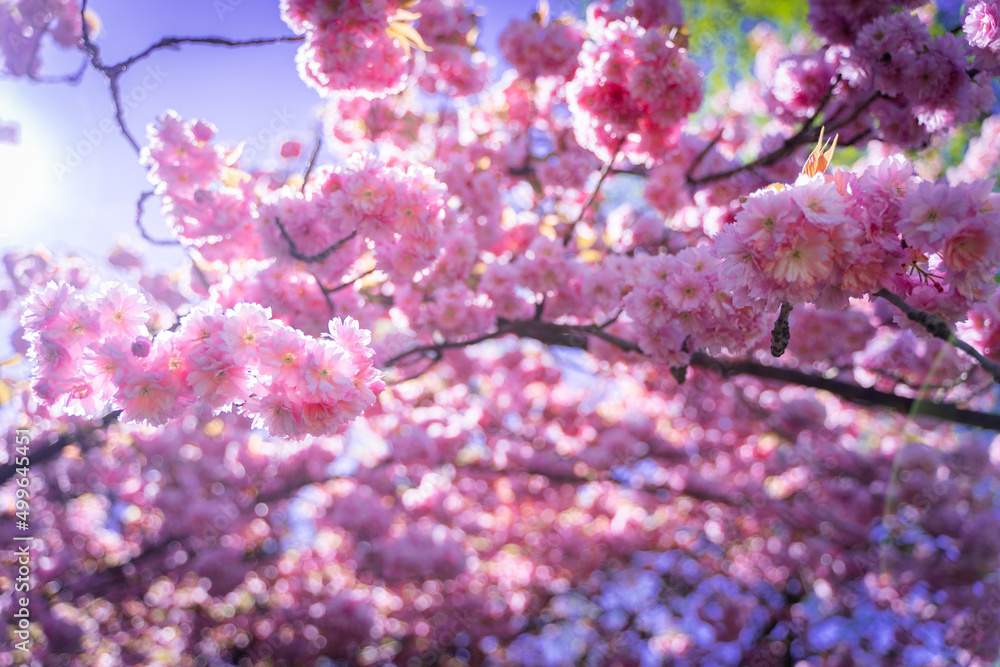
(542,50)
(790,244)
(651,14)
(827,237)
(400,206)
(840,21)
(982,155)
(181,156)
(680,303)
(670,168)
(455,311)
(361,48)
(633,90)
(276,241)
(813,343)
(93,354)
(916,361)
(474,169)
(927,76)
(569,164)
(448,28)
(356,120)
(883,72)
(24,24)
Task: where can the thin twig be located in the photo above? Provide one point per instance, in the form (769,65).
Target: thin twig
(348,283)
(318,257)
(436,348)
(113,72)
(171,42)
(312,163)
(704,151)
(139,206)
(326,294)
(568,236)
(71,79)
(804,135)
(435,359)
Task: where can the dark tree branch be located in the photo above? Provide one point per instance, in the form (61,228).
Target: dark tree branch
(437,348)
(578,337)
(850,392)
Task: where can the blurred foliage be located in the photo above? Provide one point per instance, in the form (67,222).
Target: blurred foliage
(720,32)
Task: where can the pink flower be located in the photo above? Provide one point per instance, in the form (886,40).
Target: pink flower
(275,412)
(330,370)
(201,324)
(42,307)
(804,261)
(765,218)
(216,377)
(929,213)
(981,25)
(243,330)
(123,310)
(351,336)
(972,245)
(687,291)
(321,417)
(649,305)
(76,326)
(819,201)
(52,357)
(106,365)
(283,354)
(146,395)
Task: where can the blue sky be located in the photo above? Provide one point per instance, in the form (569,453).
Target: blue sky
(72,182)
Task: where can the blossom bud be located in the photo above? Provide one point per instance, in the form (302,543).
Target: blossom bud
(291,149)
(140,347)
